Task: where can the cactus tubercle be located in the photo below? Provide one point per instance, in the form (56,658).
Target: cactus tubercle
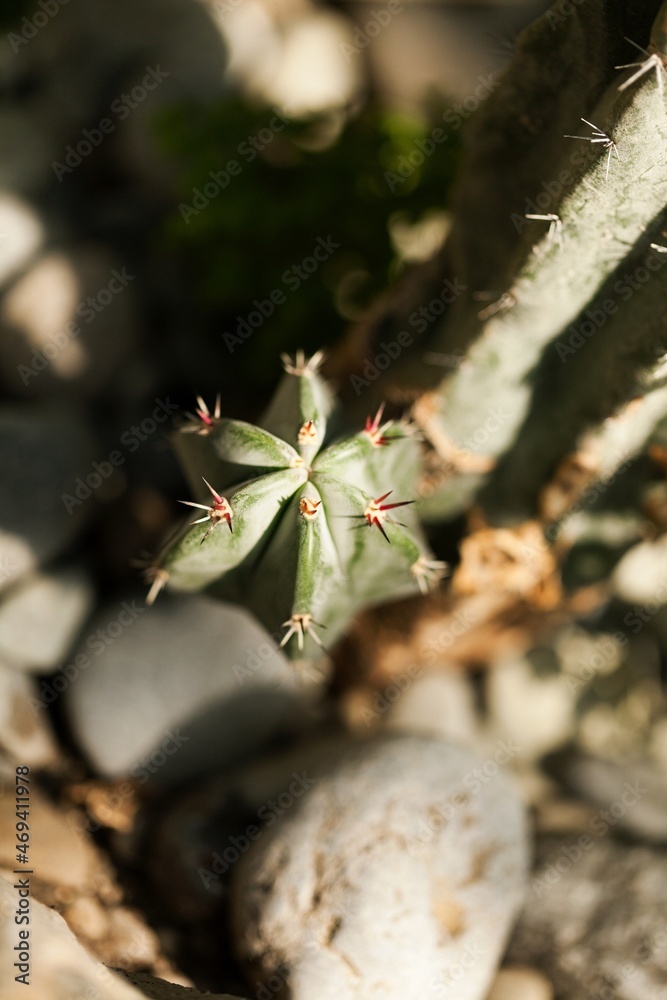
(217,512)
(376,512)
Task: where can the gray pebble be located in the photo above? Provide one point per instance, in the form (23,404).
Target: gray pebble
(179,689)
(594,919)
(40,618)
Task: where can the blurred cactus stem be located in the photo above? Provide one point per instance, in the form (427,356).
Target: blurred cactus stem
(559,235)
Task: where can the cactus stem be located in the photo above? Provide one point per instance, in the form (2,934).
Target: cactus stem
(428,572)
(375,430)
(376,512)
(203,421)
(300,626)
(309,508)
(301,365)
(599,136)
(307,433)
(220,510)
(653,61)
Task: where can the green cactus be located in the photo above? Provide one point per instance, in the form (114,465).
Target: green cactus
(560,218)
(283,505)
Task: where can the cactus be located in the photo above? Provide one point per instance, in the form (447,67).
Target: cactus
(566,228)
(560,217)
(302,530)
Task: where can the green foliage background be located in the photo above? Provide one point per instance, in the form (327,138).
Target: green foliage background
(318,177)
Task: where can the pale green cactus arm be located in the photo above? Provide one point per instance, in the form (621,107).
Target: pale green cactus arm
(305,535)
(524,397)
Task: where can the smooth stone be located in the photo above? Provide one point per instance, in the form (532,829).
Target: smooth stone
(186,687)
(41,617)
(116,42)
(21,235)
(24,732)
(203,832)
(312,73)
(641,575)
(399,874)
(440,704)
(296,59)
(594,918)
(42,452)
(536,711)
(52,340)
(520,983)
(634,791)
(60,967)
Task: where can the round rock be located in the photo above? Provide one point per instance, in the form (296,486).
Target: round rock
(398,876)
(41,616)
(177,690)
(64,969)
(42,453)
